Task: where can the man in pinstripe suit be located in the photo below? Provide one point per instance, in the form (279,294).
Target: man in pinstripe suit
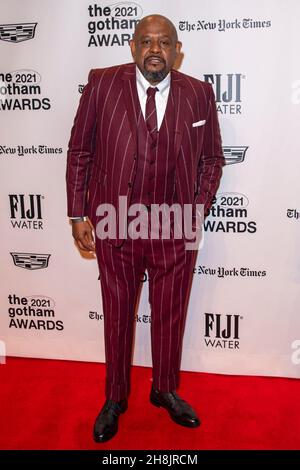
(148,132)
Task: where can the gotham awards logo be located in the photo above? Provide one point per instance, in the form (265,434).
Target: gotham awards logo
(21,90)
(34,312)
(112,25)
(230,213)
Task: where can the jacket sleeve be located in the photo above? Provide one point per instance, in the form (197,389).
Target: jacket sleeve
(81,151)
(211,161)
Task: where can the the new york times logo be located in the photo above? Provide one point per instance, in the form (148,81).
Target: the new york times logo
(137,318)
(26,211)
(228,91)
(21,90)
(32,150)
(112,25)
(222,331)
(223,25)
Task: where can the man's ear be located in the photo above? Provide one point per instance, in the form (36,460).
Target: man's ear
(178,47)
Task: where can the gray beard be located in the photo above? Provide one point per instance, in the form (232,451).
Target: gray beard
(155,76)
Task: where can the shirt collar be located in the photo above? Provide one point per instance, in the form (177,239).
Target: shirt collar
(143,84)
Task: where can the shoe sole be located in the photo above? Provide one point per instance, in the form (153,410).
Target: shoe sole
(100,440)
(176,420)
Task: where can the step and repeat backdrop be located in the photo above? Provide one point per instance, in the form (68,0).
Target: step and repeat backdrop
(243,314)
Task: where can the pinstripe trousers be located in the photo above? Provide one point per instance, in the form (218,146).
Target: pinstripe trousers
(170,270)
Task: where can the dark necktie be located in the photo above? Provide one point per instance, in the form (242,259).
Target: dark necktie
(150,114)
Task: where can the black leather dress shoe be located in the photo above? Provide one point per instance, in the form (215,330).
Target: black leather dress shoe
(179,410)
(106,424)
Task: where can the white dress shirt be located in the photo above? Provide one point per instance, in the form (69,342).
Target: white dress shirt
(161,96)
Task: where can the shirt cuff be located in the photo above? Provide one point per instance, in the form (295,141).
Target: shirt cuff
(78,219)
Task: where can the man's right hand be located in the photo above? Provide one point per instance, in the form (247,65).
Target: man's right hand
(83,235)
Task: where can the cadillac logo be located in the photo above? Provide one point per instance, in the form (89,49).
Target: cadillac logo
(30,261)
(234,154)
(17,32)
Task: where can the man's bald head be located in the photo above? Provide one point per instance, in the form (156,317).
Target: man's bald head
(155,47)
(158,19)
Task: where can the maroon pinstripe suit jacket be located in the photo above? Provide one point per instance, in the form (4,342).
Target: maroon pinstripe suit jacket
(100,162)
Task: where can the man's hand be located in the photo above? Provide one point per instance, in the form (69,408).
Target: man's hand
(83,235)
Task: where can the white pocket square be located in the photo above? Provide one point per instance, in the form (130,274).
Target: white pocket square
(199,123)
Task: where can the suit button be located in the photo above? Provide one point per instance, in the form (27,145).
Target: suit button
(134,157)
(151,162)
(130,184)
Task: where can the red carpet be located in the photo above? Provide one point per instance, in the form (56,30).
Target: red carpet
(49,404)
